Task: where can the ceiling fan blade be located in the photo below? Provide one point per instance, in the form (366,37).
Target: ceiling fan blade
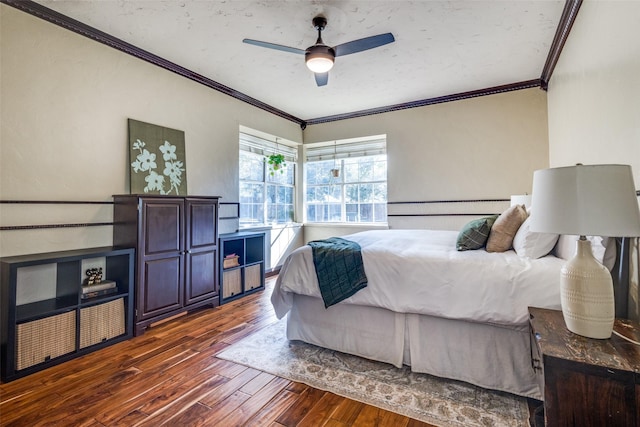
(274,46)
(364,44)
(322,78)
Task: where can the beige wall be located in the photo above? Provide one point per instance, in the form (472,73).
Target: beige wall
(594,94)
(65,103)
(486,147)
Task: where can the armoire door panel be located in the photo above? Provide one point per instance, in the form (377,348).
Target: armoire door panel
(162,286)
(202,222)
(202,274)
(163,223)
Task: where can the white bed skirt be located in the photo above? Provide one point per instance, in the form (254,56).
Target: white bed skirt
(496,357)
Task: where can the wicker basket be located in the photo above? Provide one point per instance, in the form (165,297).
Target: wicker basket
(231,283)
(101,322)
(230,262)
(252,277)
(45,339)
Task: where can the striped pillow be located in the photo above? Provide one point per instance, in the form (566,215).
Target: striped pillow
(474,234)
(505,228)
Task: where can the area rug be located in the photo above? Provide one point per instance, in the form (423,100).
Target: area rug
(434,400)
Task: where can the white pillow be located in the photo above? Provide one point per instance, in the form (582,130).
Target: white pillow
(529,244)
(603,248)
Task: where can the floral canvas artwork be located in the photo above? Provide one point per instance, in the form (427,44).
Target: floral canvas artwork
(157,161)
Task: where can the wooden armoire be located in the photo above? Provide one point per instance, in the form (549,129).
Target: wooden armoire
(176,242)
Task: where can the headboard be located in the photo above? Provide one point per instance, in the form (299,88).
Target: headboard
(626,288)
(621,277)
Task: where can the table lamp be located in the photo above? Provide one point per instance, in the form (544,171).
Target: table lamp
(586,200)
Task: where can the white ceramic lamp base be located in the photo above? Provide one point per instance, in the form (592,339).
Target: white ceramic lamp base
(586,292)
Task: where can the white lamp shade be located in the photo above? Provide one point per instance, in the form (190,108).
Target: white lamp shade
(598,200)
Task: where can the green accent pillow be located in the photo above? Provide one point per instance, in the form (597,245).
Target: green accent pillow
(474,234)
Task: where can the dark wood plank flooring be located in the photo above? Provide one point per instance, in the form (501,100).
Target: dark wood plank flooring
(171,376)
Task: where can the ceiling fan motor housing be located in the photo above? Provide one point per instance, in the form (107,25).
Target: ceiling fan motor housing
(320,51)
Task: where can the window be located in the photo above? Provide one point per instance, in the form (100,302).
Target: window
(266,196)
(347,182)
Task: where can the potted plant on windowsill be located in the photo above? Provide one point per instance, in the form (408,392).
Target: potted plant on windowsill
(276,162)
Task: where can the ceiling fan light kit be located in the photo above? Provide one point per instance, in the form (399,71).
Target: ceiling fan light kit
(319,64)
(320,57)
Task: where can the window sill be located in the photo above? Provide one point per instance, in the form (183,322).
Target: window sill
(263,227)
(368,225)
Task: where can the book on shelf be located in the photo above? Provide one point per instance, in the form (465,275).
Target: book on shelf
(99,293)
(105,284)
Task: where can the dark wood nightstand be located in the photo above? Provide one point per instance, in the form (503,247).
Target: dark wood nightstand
(587,382)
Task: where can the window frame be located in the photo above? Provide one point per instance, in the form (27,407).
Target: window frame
(265,183)
(343,193)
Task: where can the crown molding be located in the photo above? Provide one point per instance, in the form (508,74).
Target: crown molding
(568,17)
(569,14)
(431,101)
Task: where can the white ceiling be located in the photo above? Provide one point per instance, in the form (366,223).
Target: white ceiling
(441,47)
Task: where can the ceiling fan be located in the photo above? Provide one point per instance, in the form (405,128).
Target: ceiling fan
(320,57)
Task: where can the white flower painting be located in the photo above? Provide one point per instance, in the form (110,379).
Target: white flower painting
(158,159)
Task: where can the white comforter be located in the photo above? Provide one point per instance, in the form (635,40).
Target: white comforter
(420,271)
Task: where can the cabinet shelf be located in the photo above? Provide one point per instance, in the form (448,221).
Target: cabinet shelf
(44,320)
(102,299)
(44,308)
(249,264)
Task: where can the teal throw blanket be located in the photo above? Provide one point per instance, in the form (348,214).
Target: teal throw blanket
(339,268)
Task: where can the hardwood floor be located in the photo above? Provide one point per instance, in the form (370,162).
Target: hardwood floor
(171,376)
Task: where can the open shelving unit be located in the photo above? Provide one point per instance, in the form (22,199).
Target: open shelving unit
(248,275)
(45,320)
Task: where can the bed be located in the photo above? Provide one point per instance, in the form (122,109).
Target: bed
(454,314)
